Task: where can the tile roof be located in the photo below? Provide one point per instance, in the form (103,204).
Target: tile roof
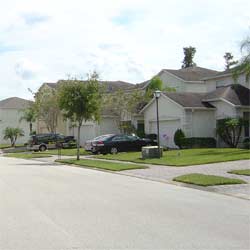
(14,103)
(194,100)
(192,73)
(236,94)
(110,86)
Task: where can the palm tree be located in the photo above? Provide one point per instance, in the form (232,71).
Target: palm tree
(29,115)
(244,65)
(12,134)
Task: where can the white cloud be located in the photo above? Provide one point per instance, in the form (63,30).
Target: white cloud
(128,40)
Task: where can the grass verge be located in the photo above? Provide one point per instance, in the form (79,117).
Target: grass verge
(27,155)
(240,172)
(101,164)
(207,180)
(185,157)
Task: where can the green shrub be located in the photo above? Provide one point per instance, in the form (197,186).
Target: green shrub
(229,130)
(179,137)
(199,142)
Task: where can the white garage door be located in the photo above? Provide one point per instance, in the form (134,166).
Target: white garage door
(167,131)
(87,132)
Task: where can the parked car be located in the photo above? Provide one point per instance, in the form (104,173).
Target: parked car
(88,144)
(119,143)
(42,142)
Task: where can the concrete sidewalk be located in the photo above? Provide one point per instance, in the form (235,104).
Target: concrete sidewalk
(167,173)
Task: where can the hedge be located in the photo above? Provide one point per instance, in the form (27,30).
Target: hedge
(199,142)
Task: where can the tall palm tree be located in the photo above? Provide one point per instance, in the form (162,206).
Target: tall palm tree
(29,115)
(244,65)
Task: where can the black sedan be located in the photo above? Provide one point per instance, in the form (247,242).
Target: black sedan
(119,143)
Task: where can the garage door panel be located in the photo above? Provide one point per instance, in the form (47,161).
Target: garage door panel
(87,133)
(167,131)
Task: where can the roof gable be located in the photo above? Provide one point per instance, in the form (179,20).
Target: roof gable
(235,94)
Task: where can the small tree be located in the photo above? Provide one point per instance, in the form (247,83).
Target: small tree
(80,102)
(156,84)
(178,138)
(12,134)
(229,60)
(229,129)
(29,115)
(47,109)
(189,53)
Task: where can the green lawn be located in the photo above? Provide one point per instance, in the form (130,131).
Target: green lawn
(186,157)
(207,180)
(65,152)
(101,164)
(27,155)
(240,172)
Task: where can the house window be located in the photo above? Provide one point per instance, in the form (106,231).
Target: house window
(246,116)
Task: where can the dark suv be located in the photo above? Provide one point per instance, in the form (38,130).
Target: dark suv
(42,142)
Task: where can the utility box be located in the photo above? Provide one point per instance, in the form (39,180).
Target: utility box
(151,152)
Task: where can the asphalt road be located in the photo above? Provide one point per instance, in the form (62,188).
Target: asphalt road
(60,207)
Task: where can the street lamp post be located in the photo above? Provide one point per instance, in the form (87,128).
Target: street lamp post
(157,94)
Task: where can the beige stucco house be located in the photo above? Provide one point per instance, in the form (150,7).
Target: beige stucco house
(202,97)
(196,113)
(10,114)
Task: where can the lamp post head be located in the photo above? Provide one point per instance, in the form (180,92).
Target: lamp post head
(157,94)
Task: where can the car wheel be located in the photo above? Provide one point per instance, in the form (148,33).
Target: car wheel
(113,150)
(42,148)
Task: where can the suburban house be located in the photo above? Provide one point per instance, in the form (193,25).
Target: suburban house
(10,114)
(202,97)
(197,113)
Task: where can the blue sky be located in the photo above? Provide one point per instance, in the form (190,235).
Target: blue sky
(129,40)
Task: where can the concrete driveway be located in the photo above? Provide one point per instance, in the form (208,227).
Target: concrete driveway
(60,207)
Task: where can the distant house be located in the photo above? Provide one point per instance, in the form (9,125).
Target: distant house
(10,114)
(108,123)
